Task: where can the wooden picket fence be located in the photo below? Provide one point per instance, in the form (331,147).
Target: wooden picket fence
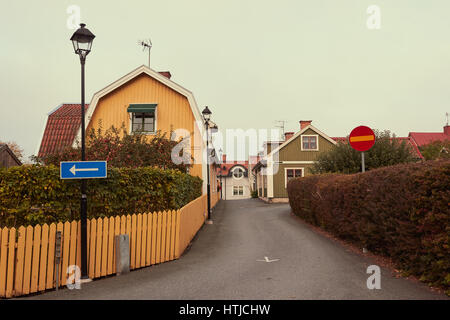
(27,255)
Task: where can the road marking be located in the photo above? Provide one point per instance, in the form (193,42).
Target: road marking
(74,170)
(266,259)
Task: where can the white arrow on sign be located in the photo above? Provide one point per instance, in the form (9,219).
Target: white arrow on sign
(266,259)
(74,170)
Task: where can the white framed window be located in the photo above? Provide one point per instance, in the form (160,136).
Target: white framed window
(238,190)
(292,173)
(143,118)
(143,122)
(310,142)
(238,173)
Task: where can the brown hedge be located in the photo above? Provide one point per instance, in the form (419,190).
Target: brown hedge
(400,211)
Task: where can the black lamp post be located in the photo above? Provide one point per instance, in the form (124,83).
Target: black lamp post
(206,116)
(82,43)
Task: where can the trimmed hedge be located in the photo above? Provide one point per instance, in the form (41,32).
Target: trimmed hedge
(32,195)
(400,211)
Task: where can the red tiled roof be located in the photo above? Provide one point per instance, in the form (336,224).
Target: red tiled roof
(339,139)
(423,138)
(61,129)
(225,166)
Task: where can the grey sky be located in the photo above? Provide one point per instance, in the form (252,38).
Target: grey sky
(252,62)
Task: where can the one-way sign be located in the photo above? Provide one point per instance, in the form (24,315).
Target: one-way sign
(83,169)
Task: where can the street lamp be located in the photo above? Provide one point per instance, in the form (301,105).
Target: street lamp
(82,43)
(206,117)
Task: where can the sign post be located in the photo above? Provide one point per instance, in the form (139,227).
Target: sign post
(362,138)
(83,170)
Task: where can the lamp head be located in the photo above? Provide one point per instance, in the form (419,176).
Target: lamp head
(82,41)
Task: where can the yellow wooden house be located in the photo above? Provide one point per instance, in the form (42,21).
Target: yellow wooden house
(143,100)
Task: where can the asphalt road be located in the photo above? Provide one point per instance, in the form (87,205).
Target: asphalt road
(222,263)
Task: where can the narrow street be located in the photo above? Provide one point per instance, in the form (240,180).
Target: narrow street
(227,260)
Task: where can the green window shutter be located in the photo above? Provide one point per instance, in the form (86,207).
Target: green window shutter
(144,108)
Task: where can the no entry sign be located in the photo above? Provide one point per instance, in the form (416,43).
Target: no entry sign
(362,138)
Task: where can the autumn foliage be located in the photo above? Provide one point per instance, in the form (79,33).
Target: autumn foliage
(401,212)
(121,149)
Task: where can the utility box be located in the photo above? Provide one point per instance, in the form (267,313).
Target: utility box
(122,246)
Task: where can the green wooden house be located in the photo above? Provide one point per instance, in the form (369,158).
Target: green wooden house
(290,159)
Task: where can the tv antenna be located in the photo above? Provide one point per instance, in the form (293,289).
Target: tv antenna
(281,124)
(146,45)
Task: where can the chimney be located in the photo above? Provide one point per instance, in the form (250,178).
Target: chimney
(224,158)
(447,130)
(304,123)
(165,74)
(288,135)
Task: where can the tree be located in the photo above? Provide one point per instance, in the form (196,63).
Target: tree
(436,150)
(342,158)
(121,149)
(15,148)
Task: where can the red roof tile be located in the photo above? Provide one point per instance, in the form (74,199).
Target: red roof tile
(226,166)
(423,138)
(61,128)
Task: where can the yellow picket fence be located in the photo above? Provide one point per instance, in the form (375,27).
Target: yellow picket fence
(27,255)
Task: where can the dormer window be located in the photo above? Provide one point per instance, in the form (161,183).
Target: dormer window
(238,173)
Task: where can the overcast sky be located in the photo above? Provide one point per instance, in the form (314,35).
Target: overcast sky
(251,62)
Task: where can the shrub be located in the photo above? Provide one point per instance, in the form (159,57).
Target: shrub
(254,194)
(32,195)
(400,211)
(121,149)
(436,150)
(387,151)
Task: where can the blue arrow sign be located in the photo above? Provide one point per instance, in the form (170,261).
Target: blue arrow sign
(83,169)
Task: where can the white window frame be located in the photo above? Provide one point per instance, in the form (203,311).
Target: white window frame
(238,188)
(285,174)
(155,128)
(310,135)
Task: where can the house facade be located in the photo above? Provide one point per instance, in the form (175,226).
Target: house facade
(292,158)
(234,179)
(144,101)
(289,159)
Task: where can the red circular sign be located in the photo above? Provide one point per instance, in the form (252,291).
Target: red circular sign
(362,138)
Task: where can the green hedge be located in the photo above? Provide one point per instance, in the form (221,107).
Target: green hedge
(400,211)
(32,195)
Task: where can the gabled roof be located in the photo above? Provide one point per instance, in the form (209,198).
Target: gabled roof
(133,74)
(424,138)
(225,169)
(4,147)
(61,128)
(295,137)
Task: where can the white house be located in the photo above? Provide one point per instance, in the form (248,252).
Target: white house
(234,179)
